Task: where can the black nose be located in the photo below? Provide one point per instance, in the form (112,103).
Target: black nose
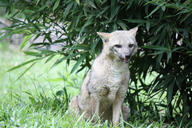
(127,56)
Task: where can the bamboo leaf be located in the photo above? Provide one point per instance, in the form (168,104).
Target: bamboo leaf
(23,64)
(26,70)
(88,22)
(25,41)
(56,5)
(66,12)
(78,2)
(49,58)
(37,2)
(156,47)
(135,21)
(81,47)
(123,25)
(152,12)
(58,61)
(81,58)
(93,45)
(55,80)
(32,53)
(170,92)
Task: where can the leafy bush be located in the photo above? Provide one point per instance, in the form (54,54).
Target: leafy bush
(164,37)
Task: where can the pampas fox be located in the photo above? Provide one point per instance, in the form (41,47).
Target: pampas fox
(105,85)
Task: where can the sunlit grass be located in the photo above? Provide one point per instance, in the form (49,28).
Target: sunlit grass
(34,101)
(40,76)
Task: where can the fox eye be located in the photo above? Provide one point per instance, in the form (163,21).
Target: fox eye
(131,45)
(118,46)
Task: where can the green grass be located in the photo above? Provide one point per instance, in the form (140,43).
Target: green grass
(38,99)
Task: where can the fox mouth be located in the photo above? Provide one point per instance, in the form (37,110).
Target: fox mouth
(125,60)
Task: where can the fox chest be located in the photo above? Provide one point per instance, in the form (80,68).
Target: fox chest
(108,85)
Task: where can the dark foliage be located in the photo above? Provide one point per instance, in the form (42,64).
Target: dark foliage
(164,37)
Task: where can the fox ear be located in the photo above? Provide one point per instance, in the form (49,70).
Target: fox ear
(133,31)
(104,36)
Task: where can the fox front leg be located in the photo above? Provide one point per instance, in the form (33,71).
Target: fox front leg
(95,113)
(97,107)
(116,111)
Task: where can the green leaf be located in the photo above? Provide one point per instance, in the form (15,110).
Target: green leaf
(88,22)
(32,53)
(163,8)
(135,21)
(5,35)
(156,53)
(81,58)
(26,70)
(49,58)
(123,25)
(152,12)
(37,2)
(66,95)
(55,80)
(71,55)
(185,18)
(56,5)
(60,92)
(78,2)
(25,41)
(103,11)
(148,25)
(169,55)
(91,3)
(77,20)
(114,13)
(66,12)
(23,64)
(60,41)
(93,45)
(178,48)
(81,47)
(156,47)
(170,92)
(189,52)
(32,99)
(58,61)
(39,44)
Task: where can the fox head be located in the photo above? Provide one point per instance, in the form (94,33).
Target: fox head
(120,45)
